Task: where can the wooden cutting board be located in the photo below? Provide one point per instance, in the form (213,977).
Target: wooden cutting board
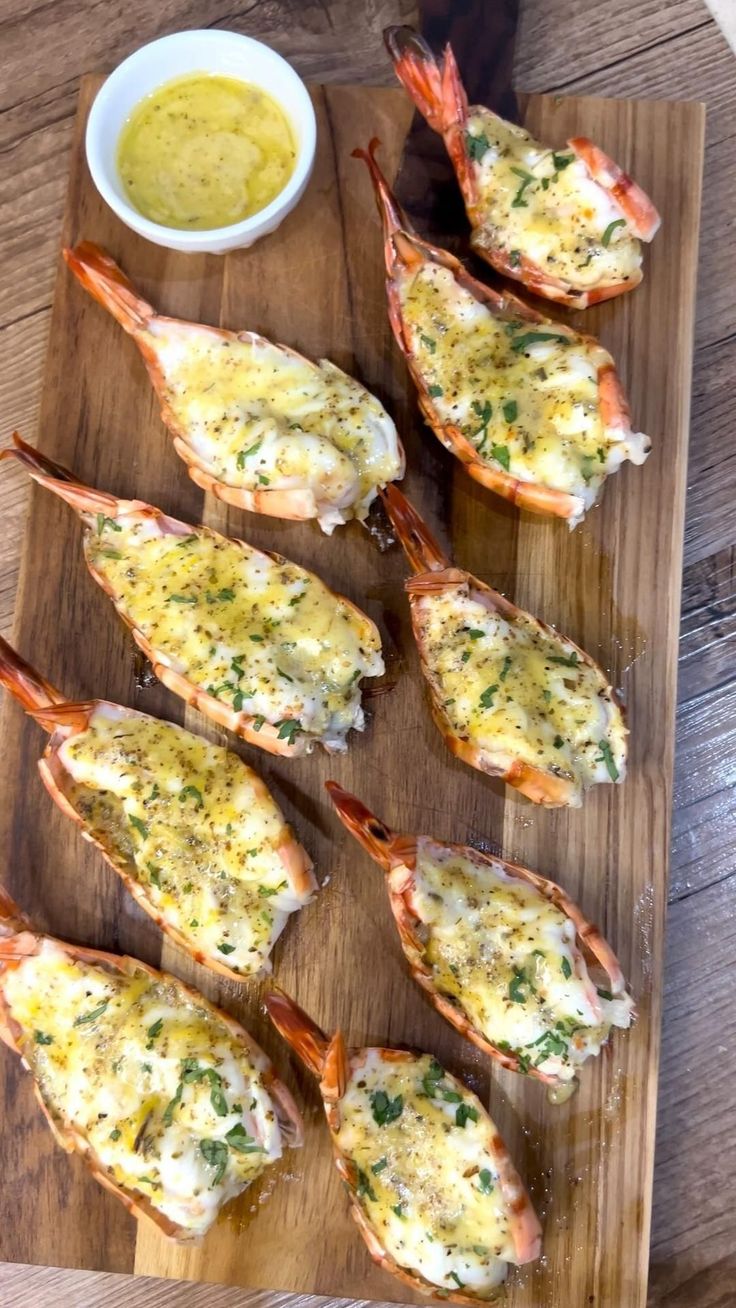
(613,586)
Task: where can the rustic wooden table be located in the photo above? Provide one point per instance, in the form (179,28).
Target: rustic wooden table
(639,48)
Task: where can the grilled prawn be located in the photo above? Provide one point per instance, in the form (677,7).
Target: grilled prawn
(432,1188)
(169,1102)
(510,695)
(194,833)
(501,952)
(256,424)
(567,222)
(533,410)
(255,642)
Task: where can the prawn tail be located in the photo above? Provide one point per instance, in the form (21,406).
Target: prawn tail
(435,88)
(419,545)
(107,283)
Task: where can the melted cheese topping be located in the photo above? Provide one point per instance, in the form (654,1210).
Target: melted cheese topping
(196,828)
(543,204)
(427,1180)
(525,395)
(508,956)
(262,635)
(520,692)
(172,1105)
(262,418)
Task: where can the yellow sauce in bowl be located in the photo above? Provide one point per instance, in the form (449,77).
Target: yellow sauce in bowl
(205,151)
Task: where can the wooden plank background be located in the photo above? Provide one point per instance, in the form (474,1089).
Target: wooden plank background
(563,44)
(613,585)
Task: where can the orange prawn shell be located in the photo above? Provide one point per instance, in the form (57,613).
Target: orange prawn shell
(333,1064)
(397,855)
(433,574)
(18,940)
(437,91)
(106,282)
(64,720)
(87,500)
(402,248)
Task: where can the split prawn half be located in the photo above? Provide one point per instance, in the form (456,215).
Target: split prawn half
(193,832)
(257,424)
(431,1184)
(510,695)
(501,952)
(253,641)
(534,410)
(168,1100)
(566,222)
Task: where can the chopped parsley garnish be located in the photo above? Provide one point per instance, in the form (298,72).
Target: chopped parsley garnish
(548,1045)
(518,201)
(485,413)
(238,700)
(191,792)
(187,540)
(364,1188)
(245,454)
(379,1166)
(115,1134)
(154,1031)
(139,825)
(432,1078)
(604,994)
(384,1108)
(510,410)
(111,554)
(104,522)
(435,391)
(258,721)
(154,874)
(264,481)
(514,258)
(476,146)
(476,633)
(41,1038)
(561,161)
(454,1277)
(181,599)
(606,237)
(283,674)
(192,1073)
(501,455)
(566,969)
(225,948)
(289,728)
(486,699)
(558,742)
(465,1113)
(485,1181)
(519,987)
(256,637)
(606,756)
(522,343)
(428,343)
(569,660)
(505,669)
(398,1209)
(173,1104)
(92,1015)
(214,1152)
(225,596)
(239,1140)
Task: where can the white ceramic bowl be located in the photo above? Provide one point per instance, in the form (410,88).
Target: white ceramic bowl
(226,53)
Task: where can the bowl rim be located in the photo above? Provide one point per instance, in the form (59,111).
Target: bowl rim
(202,238)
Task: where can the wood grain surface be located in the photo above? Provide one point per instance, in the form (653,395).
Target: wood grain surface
(613,586)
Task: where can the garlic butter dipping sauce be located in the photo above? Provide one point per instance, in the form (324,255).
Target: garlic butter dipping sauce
(205,151)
